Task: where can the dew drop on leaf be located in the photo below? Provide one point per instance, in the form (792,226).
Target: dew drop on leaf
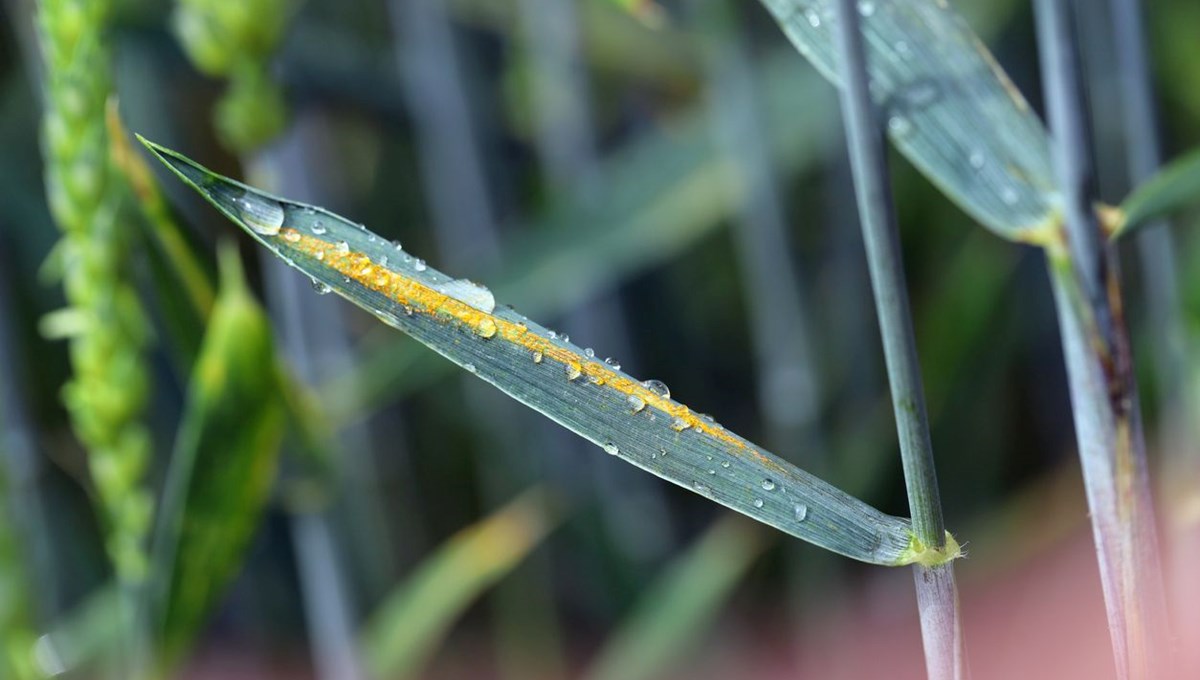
(486,329)
(635,403)
(262,215)
(800,511)
(658,387)
(469,293)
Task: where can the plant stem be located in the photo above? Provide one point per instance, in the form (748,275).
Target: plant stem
(1155,245)
(1099,368)
(945,655)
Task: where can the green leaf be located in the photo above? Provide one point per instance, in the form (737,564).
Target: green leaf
(223,464)
(681,605)
(950,109)
(402,636)
(633,420)
(1175,187)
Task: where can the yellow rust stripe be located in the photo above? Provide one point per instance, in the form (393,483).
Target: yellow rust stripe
(421,298)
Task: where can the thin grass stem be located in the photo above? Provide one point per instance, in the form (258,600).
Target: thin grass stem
(1099,368)
(937,596)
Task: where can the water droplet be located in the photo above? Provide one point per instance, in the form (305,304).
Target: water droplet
(343,248)
(320,256)
(574,370)
(419,265)
(725,464)
(800,510)
(758,502)
(470,367)
(768,485)
(291,236)
(552,335)
(595,380)
(899,126)
(712,471)
(611,449)
(397,246)
(321,287)
(616,366)
(538,356)
(658,387)
(903,49)
(565,338)
(814,19)
(486,329)
(408,311)
(920,94)
(1009,196)
(635,403)
(866,7)
(262,215)
(383,260)
(976,159)
(662,452)
(318,228)
(699,487)
(470,293)
(679,424)
(589,353)
(365,271)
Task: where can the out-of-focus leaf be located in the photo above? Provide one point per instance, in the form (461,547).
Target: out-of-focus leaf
(405,632)
(223,464)
(636,421)
(951,109)
(681,604)
(194,279)
(1175,187)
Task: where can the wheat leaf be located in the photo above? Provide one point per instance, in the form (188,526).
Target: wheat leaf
(1175,187)
(634,420)
(950,108)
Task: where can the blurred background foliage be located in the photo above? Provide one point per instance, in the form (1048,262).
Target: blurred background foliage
(666,182)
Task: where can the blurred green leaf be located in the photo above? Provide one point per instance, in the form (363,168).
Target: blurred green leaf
(636,421)
(681,604)
(223,464)
(1175,187)
(401,637)
(950,108)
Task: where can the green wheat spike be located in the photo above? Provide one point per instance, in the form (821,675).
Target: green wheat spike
(104,322)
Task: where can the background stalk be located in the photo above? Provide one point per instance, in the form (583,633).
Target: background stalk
(1099,363)
(937,594)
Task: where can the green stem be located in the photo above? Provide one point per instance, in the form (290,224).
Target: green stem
(937,597)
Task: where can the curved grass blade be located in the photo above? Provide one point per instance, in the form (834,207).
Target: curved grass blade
(223,464)
(951,109)
(405,632)
(1175,187)
(634,420)
(681,604)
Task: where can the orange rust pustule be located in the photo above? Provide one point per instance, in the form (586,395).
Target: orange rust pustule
(423,299)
